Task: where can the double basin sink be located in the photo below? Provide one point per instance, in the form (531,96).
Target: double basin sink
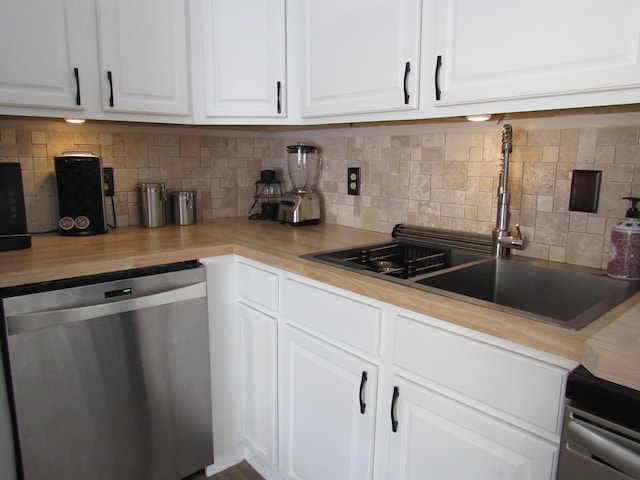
(559,294)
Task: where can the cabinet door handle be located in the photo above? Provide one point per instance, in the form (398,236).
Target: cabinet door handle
(363,381)
(110,78)
(394,420)
(279,93)
(437,77)
(76,74)
(407,69)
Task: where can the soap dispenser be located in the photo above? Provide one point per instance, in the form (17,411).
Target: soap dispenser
(624,253)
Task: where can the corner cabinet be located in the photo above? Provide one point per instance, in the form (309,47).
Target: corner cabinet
(239,56)
(356,58)
(143,56)
(41,54)
(540,55)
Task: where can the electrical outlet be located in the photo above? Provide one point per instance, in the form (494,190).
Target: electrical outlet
(109,189)
(353,181)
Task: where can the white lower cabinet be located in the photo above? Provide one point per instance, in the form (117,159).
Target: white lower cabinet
(329,411)
(326,374)
(437,437)
(259,364)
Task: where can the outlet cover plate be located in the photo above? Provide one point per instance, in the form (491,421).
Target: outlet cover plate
(353,181)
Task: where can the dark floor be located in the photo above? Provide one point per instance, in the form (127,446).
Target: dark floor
(241,471)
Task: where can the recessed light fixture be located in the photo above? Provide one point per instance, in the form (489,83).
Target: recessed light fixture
(479,118)
(74,120)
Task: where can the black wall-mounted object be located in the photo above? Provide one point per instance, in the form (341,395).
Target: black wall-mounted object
(13,216)
(585,190)
(80,185)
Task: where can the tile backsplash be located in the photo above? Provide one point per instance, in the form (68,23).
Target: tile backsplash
(439,175)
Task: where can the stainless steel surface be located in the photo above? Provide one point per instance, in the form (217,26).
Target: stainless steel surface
(503,240)
(596,449)
(601,430)
(183,206)
(558,294)
(560,297)
(152,198)
(299,208)
(111,379)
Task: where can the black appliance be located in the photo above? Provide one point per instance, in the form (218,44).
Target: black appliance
(80,183)
(601,430)
(13,217)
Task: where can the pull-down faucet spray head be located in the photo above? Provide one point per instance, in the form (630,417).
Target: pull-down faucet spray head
(503,241)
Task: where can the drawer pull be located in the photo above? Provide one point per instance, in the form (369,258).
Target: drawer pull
(363,381)
(394,420)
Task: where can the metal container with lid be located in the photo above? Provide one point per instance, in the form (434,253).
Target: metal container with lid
(184,207)
(152,198)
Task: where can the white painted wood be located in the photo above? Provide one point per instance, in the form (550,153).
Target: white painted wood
(243,57)
(495,50)
(226,371)
(326,436)
(334,316)
(439,438)
(143,43)
(259,357)
(512,383)
(354,55)
(40,45)
(258,285)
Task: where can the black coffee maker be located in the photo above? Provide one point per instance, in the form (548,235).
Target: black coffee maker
(268,192)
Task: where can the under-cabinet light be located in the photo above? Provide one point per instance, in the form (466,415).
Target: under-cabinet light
(74,120)
(478,118)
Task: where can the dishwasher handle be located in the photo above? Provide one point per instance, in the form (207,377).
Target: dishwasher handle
(608,450)
(29,322)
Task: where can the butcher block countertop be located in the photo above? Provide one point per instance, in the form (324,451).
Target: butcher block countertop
(609,347)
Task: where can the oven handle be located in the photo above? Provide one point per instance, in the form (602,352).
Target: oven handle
(606,449)
(28,322)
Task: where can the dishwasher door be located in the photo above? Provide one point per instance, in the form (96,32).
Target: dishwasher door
(111,380)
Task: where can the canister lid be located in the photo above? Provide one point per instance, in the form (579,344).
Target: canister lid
(182,193)
(150,186)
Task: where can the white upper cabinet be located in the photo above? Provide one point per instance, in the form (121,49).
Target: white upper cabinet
(40,53)
(144,56)
(360,56)
(544,54)
(239,54)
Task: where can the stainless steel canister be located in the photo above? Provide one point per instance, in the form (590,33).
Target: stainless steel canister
(152,198)
(184,207)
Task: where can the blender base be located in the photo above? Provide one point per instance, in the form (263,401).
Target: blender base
(299,208)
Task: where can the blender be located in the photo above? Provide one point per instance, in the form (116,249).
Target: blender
(301,206)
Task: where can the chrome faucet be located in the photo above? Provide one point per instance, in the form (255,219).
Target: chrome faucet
(503,240)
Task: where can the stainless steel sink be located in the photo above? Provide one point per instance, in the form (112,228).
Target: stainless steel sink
(561,297)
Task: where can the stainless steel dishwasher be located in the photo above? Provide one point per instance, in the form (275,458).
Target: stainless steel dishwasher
(109,375)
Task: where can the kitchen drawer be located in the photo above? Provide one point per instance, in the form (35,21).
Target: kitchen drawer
(520,386)
(334,315)
(257,285)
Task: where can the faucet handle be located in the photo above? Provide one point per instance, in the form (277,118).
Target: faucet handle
(518,240)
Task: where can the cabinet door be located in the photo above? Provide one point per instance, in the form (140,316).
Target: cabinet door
(329,408)
(40,53)
(437,437)
(258,344)
(359,56)
(143,56)
(244,58)
(496,49)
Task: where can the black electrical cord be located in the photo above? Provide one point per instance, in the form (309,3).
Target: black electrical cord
(113,210)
